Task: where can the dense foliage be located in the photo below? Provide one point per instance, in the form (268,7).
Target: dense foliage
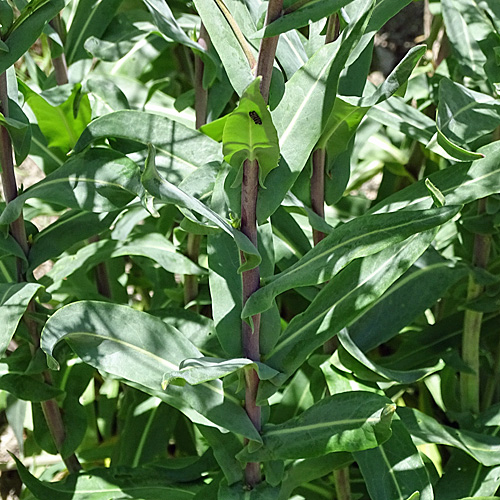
(248,271)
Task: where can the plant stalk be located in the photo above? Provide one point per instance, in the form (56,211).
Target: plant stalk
(251,278)
(469,382)
(59,62)
(200,107)
(18,231)
(318,189)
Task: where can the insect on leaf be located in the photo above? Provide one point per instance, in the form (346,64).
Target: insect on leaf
(249,134)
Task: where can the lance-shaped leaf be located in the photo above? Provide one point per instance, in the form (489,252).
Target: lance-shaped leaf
(403,302)
(168,25)
(235,54)
(462,475)
(395,469)
(460,185)
(348,112)
(99,180)
(181,149)
(18,127)
(249,134)
(358,238)
(140,349)
(153,246)
(14,299)
(61,123)
(164,190)
(351,421)
(27,27)
(341,301)
(300,116)
(355,360)
(309,12)
(424,429)
(199,370)
(103,484)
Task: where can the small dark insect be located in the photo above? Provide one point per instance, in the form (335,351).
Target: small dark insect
(255,117)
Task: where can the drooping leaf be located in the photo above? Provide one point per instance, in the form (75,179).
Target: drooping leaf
(140,349)
(345,422)
(460,184)
(165,191)
(424,429)
(99,180)
(361,237)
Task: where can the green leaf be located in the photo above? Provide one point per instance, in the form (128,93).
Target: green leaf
(356,361)
(152,245)
(140,349)
(462,475)
(383,470)
(424,429)
(307,13)
(168,25)
(239,491)
(460,184)
(320,76)
(199,370)
(249,134)
(73,226)
(27,388)
(358,238)
(61,123)
(403,302)
(165,191)
(465,29)
(350,421)
(27,27)
(91,18)
(180,148)
(226,44)
(465,115)
(437,195)
(103,484)
(98,180)
(14,299)
(345,298)
(18,127)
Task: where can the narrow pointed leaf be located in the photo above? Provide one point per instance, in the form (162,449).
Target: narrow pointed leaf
(99,180)
(361,237)
(18,127)
(165,191)
(312,11)
(351,421)
(103,484)
(345,298)
(140,348)
(394,469)
(460,184)
(181,149)
(14,299)
(424,429)
(26,29)
(320,76)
